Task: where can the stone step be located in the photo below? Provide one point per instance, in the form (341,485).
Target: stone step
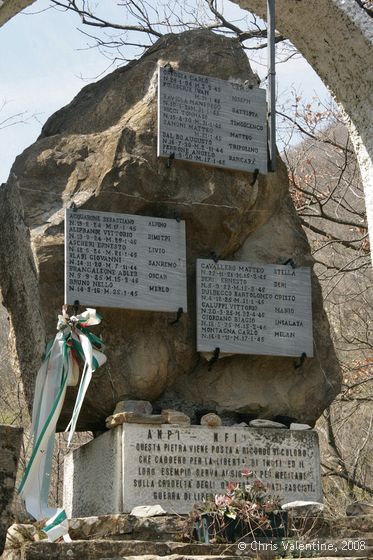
(124,526)
(178,557)
(174,527)
(119,550)
(224,557)
(338,527)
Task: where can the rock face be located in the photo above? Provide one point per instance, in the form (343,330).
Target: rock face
(271,387)
(100,153)
(10,447)
(19,286)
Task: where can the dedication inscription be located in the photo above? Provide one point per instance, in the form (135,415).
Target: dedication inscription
(254,309)
(176,467)
(123,260)
(211,121)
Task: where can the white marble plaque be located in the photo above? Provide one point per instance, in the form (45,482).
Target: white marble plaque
(176,467)
(124,260)
(245,308)
(211,121)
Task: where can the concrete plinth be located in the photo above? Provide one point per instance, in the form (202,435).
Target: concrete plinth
(175,466)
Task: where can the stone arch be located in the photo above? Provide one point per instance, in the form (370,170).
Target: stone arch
(10,8)
(336,38)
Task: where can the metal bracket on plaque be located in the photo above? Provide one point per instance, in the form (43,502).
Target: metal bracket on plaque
(291,262)
(179,313)
(248,85)
(255,177)
(214,358)
(168,67)
(170,159)
(73,207)
(214,257)
(177,217)
(76,307)
(301,361)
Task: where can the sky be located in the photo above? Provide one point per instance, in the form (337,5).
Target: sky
(45,61)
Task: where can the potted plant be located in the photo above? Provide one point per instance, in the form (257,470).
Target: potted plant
(244,510)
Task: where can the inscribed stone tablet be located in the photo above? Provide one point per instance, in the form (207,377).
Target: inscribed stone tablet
(177,466)
(245,308)
(123,260)
(212,121)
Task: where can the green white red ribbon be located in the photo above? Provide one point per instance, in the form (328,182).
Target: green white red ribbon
(59,369)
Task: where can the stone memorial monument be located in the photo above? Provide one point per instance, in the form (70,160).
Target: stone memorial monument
(139,217)
(99,153)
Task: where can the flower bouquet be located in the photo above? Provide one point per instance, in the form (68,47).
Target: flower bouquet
(244,510)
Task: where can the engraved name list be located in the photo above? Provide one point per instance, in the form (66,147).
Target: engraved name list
(211,121)
(253,309)
(123,260)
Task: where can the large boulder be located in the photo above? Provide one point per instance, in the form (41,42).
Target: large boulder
(100,153)
(19,288)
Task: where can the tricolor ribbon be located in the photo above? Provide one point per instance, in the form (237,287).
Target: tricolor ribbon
(59,370)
